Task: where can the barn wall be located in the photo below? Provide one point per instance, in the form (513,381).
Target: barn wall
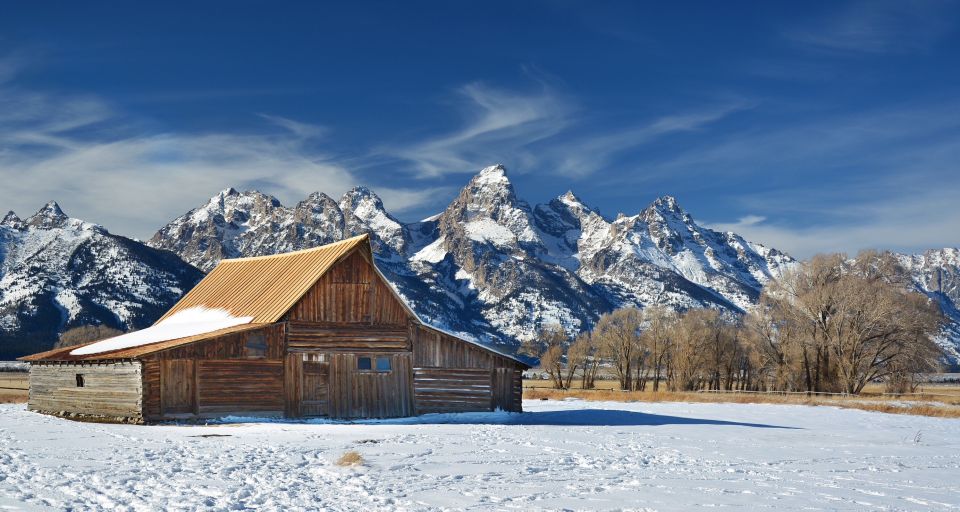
(435,349)
(452,390)
(351,292)
(231,386)
(110,390)
(234,373)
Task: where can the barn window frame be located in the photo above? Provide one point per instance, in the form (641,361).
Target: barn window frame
(81,380)
(255,346)
(374,364)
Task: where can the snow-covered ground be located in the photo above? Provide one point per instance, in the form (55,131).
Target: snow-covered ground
(558,455)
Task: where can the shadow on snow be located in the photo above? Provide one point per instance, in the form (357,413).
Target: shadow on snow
(571,418)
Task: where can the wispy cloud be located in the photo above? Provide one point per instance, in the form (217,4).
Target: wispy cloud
(580,156)
(543,130)
(104,166)
(879,27)
(498,123)
(910,223)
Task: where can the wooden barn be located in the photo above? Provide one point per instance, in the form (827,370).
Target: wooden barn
(318,332)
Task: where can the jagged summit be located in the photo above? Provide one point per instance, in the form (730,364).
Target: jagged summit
(49,216)
(668,205)
(359,194)
(569,197)
(11,220)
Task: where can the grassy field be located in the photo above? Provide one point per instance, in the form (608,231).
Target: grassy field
(13,387)
(937,400)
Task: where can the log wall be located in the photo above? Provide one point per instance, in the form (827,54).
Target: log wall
(111,390)
(452,390)
(312,336)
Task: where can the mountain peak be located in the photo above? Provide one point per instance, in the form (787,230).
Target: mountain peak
(11,220)
(492,175)
(229,191)
(360,194)
(667,203)
(51,215)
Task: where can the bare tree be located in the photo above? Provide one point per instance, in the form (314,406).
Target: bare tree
(657,340)
(584,353)
(618,336)
(549,346)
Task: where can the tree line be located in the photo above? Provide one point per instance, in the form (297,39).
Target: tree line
(831,324)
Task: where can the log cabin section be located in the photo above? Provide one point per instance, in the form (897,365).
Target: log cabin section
(328,336)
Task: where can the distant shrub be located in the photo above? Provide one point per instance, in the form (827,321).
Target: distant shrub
(86,334)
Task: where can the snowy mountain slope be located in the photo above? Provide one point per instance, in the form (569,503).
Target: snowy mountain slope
(937,273)
(57,272)
(490,265)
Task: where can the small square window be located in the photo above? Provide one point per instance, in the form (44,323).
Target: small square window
(80,381)
(383,364)
(364,363)
(255,346)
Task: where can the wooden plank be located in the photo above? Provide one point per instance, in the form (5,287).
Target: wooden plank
(113,389)
(452,389)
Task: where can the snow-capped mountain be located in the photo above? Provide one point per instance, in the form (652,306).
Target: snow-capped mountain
(937,273)
(234,224)
(57,272)
(492,266)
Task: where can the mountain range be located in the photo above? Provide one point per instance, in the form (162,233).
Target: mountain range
(57,272)
(490,266)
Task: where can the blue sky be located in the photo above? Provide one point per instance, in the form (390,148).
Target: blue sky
(808,126)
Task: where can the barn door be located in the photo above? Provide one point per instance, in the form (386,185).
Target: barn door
(177,386)
(316,378)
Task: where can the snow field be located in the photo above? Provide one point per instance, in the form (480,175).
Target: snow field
(571,455)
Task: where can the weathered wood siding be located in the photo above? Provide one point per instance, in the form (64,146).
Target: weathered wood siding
(178,386)
(292,385)
(232,346)
(507,389)
(354,393)
(232,386)
(235,373)
(311,336)
(452,389)
(350,292)
(110,389)
(436,349)
(316,383)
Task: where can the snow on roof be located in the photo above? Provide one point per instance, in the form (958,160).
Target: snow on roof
(188,322)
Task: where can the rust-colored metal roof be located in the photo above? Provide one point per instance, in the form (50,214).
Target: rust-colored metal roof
(63,354)
(266,287)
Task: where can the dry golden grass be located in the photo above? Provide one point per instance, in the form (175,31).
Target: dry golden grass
(13,387)
(940,401)
(350,458)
